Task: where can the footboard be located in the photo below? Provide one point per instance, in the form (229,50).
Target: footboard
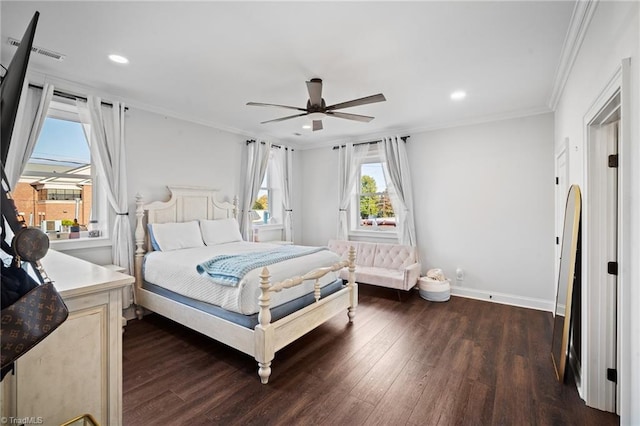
(270,337)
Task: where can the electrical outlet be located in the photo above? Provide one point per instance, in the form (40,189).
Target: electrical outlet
(459,274)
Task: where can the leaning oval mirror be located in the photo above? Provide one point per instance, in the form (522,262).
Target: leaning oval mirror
(564,295)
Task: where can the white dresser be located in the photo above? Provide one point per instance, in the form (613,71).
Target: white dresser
(77,369)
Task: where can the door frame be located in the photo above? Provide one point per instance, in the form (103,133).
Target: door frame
(597,352)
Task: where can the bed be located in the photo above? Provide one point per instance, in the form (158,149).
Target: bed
(279,302)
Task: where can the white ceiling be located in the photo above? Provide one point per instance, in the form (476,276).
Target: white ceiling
(203,61)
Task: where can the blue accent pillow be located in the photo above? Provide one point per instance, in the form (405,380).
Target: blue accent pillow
(154,243)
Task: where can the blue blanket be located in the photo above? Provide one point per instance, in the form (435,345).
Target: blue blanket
(229,269)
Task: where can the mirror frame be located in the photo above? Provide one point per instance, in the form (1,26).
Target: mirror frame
(559,352)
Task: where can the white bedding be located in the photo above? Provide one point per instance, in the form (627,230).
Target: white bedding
(176,271)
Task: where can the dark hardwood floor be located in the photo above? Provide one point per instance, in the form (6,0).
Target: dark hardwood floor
(408,362)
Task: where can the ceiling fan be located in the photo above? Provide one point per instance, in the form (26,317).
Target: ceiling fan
(317,109)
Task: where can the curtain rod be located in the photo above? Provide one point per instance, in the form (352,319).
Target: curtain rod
(404,139)
(68,95)
(273,144)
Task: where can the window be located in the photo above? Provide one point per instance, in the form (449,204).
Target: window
(262,203)
(59,194)
(58,182)
(268,204)
(375,209)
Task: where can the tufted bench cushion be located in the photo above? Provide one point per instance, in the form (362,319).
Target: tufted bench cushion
(387,265)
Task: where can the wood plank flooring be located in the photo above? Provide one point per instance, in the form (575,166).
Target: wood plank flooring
(410,362)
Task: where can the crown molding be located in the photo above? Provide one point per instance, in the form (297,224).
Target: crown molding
(580,20)
(411,131)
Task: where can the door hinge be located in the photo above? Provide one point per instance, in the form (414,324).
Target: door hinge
(557,240)
(613,160)
(557,180)
(612,268)
(612,375)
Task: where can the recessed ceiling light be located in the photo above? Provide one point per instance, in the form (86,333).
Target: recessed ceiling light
(458,94)
(119,59)
(306,126)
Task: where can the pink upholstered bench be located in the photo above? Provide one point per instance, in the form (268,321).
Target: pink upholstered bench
(388,265)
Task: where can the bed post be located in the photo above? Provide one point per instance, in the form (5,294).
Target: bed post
(235,207)
(353,286)
(264,333)
(139,255)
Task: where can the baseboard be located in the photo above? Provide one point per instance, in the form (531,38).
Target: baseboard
(505,299)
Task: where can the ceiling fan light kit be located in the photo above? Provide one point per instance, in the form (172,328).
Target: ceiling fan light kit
(317,109)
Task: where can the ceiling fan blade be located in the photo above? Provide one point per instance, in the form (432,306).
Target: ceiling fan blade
(355,117)
(314,87)
(283,118)
(317,125)
(275,105)
(362,101)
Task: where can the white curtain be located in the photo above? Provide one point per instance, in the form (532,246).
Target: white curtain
(350,158)
(283,162)
(34,104)
(396,169)
(108,155)
(256,159)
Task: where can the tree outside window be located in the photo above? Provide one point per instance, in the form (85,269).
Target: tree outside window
(261,204)
(376,210)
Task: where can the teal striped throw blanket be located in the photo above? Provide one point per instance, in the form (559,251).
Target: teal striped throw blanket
(229,269)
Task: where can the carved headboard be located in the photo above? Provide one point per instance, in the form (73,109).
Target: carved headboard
(188,203)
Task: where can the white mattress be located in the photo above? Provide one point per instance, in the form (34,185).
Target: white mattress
(176,271)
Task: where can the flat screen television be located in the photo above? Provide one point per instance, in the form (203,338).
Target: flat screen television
(11,86)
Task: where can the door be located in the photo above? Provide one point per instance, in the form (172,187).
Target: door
(562,188)
(610,131)
(601,261)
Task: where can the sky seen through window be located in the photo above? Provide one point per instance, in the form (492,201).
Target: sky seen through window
(62,140)
(375,171)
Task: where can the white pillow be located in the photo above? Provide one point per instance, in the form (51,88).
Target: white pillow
(174,236)
(220,231)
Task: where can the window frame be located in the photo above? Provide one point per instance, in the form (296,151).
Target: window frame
(65,109)
(355,223)
(271,184)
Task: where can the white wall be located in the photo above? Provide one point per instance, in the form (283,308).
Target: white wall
(163,150)
(613,34)
(484,202)
(297,188)
(319,194)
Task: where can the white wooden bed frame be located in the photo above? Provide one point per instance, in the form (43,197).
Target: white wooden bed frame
(191,203)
